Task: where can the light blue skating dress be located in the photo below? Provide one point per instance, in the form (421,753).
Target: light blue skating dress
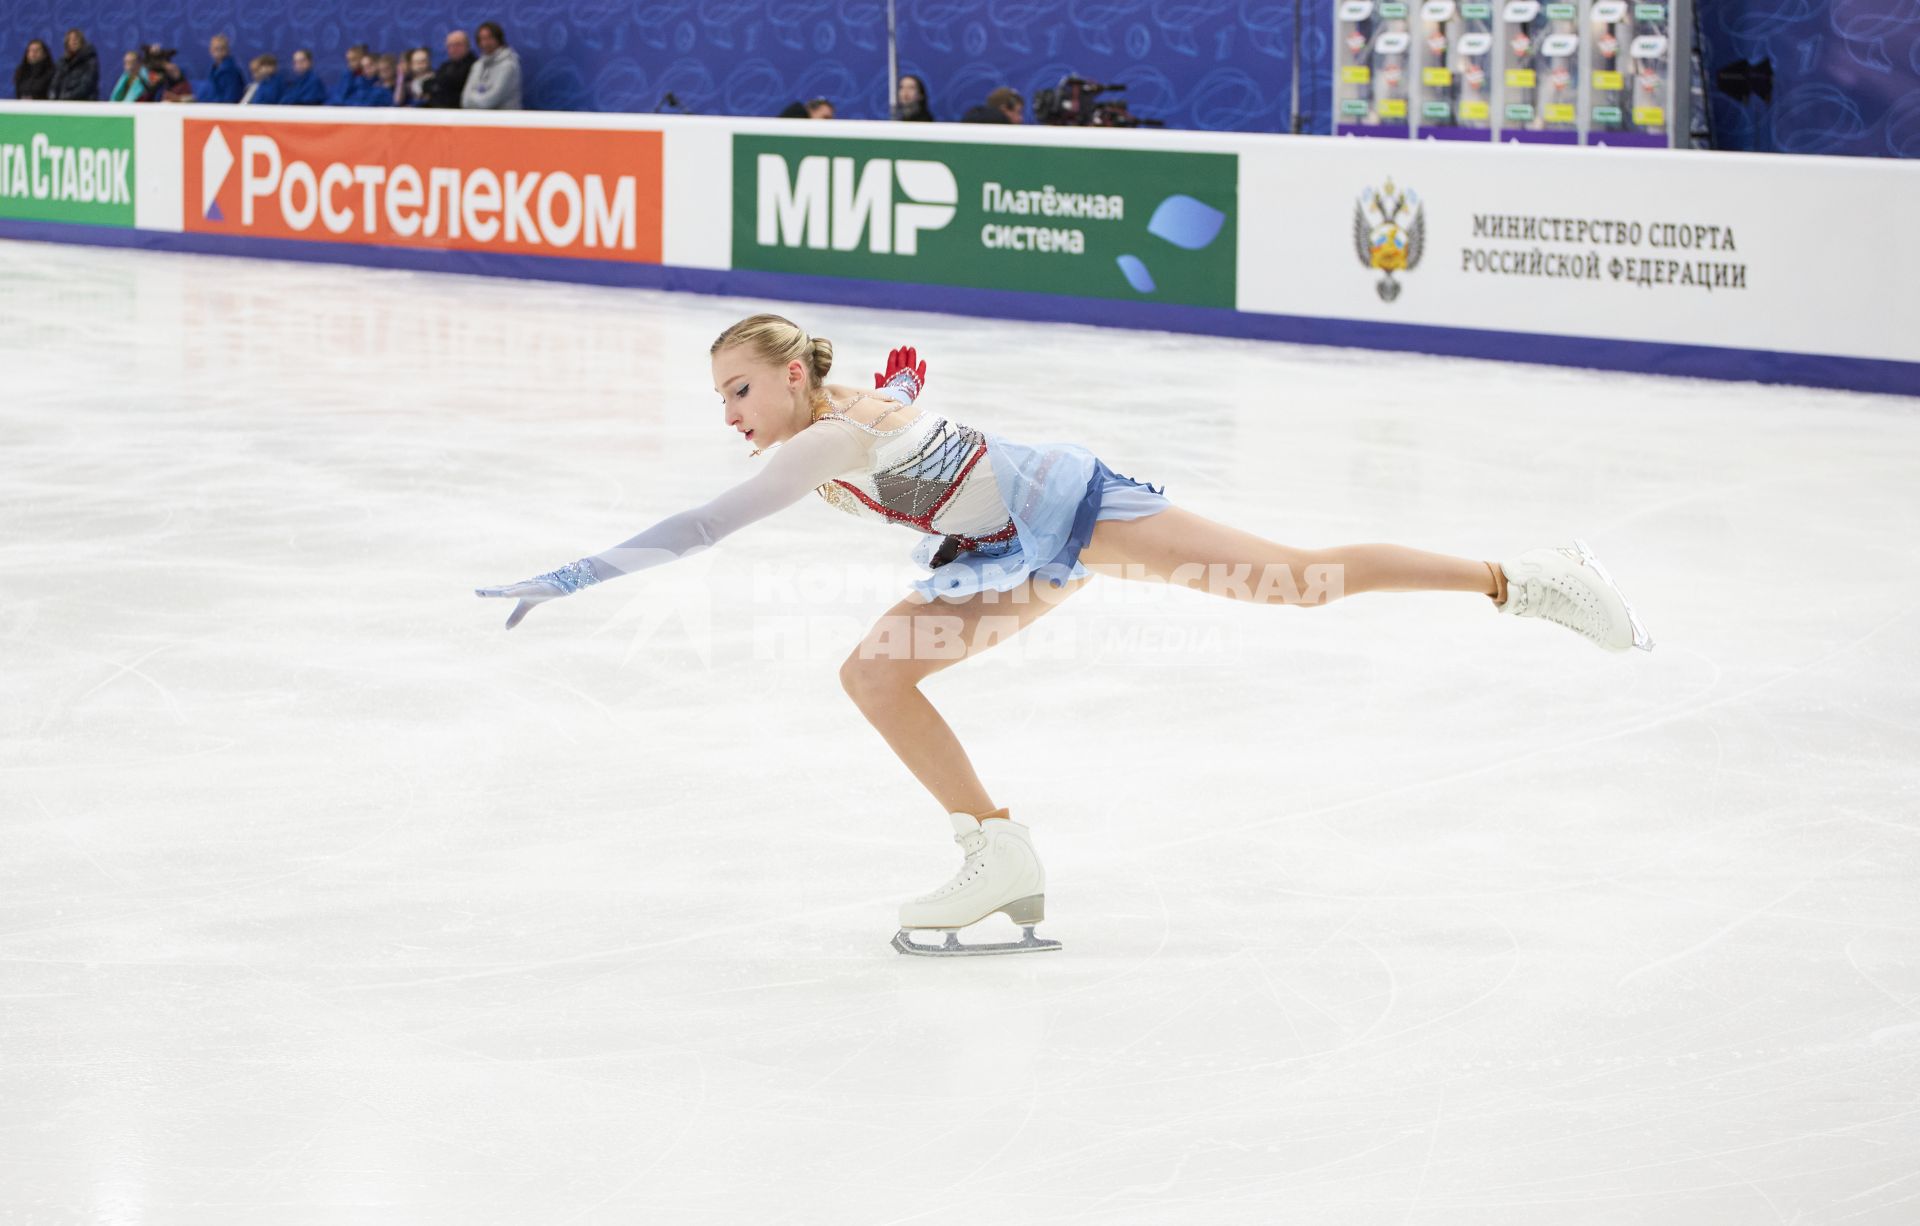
(993,511)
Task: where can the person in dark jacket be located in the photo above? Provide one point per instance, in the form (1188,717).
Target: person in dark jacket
(225,82)
(302,88)
(34,77)
(416,83)
(174,86)
(1002,106)
(910,102)
(78,77)
(450,79)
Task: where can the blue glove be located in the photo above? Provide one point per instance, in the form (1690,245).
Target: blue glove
(541,588)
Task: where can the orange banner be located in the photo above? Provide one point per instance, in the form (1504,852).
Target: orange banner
(582,193)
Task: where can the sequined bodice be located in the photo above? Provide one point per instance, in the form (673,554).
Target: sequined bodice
(930,473)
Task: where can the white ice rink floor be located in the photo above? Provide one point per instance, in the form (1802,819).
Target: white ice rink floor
(325,900)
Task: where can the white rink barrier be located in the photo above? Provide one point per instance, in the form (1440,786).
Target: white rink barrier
(1777,268)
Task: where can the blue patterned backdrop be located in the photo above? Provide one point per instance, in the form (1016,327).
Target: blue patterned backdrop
(1848,71)
(1846,75)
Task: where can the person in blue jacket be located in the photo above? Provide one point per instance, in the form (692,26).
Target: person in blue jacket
(267,88)
(346,91)
(369,89)
(225,82)
(302,88)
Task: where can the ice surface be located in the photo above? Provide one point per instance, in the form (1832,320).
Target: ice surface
(325,900)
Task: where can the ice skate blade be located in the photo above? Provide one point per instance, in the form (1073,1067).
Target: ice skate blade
(1641,638)
(952,948)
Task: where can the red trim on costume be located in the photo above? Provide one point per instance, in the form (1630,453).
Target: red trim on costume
(924,522)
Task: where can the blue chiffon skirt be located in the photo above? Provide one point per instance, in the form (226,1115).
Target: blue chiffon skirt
(1054,495)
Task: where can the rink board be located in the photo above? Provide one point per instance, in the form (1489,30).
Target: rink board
(1735,266)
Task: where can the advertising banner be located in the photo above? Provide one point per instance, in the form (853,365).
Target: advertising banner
(66,168)
(590,194)
(1093,222)
(1733,252)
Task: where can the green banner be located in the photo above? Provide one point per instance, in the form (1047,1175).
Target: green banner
(66,168)
(1099,223)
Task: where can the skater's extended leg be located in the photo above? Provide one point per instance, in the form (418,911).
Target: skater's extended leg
(911,642)
(1567,586)
(1179,547)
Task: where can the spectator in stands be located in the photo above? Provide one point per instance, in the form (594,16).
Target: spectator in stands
(416,86)
(34,77)
(266,88)
(812,108)
(387,70)
(302,88)
(1002,106)
(225,82)
(151,84)
(367,89)
(346,91)
(910,101)
(173,83)
(494,83)
(127,88)
(78,77)
(450,79)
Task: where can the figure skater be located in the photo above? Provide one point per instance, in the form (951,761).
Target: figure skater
(1008,531)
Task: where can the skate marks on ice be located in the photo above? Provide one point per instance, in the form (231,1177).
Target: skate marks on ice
(327,894)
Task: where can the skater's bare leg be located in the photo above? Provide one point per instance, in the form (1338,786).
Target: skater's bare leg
(1179,547)
(910,643)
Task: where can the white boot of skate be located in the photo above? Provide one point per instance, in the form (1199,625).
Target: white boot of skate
(1570,587)
(1001,873)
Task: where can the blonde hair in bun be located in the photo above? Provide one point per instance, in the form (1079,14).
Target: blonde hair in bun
(778,340)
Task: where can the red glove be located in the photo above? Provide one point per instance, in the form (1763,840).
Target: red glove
(901,372)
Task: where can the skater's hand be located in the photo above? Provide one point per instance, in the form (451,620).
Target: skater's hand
(542,588)
(902,372)
(529,592)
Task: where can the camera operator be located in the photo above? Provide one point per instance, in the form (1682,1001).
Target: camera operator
(1076,102)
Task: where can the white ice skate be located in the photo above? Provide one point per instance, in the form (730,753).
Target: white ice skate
(1001,873)
(1570,587)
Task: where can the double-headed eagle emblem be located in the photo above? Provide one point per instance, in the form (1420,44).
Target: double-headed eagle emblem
(1389,231)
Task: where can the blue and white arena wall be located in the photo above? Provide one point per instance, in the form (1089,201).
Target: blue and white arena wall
(1747,267)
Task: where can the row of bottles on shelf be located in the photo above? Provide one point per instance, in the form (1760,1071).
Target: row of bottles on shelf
(1558,72)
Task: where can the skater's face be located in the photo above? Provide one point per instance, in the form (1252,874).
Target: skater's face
(764,401)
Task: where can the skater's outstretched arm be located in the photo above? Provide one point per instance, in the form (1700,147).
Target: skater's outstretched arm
(810,458)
